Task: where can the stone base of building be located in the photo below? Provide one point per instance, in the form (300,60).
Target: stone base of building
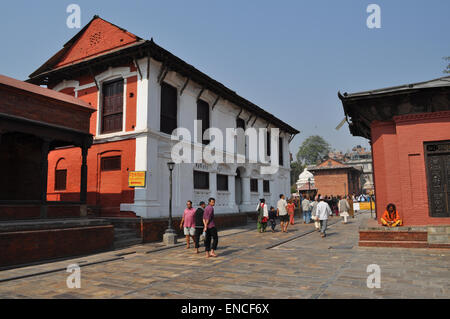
(28,242)
(374,235)
(153,229)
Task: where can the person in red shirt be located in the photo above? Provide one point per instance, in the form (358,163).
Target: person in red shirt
(391,217)
(290,209)
(188,222)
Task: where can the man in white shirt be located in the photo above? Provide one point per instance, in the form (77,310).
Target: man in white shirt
(282,212)
(323,210)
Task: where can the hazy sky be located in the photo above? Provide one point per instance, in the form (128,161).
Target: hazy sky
(289,57)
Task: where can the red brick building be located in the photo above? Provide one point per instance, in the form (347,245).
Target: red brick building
(335,178)
(33,122)
(87,57)
(409,130)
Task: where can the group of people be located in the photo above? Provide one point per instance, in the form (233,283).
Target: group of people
(198,222)
(317,210)
(285,211)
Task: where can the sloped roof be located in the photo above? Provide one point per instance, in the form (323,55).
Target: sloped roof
(37,90)
(139,49)
(62,57)
(362,108)
(331,164)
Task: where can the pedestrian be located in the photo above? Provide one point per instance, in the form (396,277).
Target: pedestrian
(314,213)
(263,215)
(188,222)
(210,229)
(344,208)
(199,225)
(334,205)
(291,210)
(323,211)
(272,218)
(282,212)
(351,211)
(306,207)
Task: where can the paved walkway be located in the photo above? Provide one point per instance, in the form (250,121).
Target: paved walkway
(299,264)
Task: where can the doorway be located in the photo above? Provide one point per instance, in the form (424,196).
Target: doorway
(438,178)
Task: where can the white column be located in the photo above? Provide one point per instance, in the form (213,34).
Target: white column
(232,190)
(245,190)
(261,189)
(213,184)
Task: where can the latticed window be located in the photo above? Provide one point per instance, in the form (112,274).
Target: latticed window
(222,182)
(254,185)
(266,186)
(112,111)
(168,108)
(201,180)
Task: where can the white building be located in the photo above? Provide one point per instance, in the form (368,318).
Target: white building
(162,93)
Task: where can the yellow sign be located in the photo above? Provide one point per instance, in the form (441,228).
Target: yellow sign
(136,179)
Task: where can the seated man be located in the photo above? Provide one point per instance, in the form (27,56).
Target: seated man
(391,217)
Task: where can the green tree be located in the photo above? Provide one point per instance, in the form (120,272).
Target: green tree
(296,170)
(447,69)
(313,150)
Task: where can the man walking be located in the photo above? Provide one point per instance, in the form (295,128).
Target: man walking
(282,212)
(306,207)
(199,225)
(188,222)
(314,213)
(323,210)
(210,229)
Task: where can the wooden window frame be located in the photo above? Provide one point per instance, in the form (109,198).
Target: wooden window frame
(254,185)
(57,186)
(103,130)
(201,103)
(169,116)
(109,158)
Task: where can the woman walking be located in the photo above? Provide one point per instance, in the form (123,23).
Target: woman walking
(291,210)
(263,215)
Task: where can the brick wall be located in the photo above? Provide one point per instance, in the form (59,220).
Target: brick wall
(334,183)
(30,246)
(399,164)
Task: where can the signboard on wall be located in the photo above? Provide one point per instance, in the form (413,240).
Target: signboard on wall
(137,179)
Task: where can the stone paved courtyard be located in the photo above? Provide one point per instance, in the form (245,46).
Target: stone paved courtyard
(250,265)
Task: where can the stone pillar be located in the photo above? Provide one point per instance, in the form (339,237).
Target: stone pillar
(232,190)
(83,181)
(44,176)
(261,190)
(213,184)
(246,198)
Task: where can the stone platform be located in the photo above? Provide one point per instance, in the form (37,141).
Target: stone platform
(372,234)
(31,241)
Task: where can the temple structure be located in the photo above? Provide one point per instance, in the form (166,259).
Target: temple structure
(409,129)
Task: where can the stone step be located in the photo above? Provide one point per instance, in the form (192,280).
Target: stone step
(394,244)
(127,242)
(393,236)
(124,230)
(122,236)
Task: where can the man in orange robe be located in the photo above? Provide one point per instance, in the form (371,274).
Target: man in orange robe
(391,217)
